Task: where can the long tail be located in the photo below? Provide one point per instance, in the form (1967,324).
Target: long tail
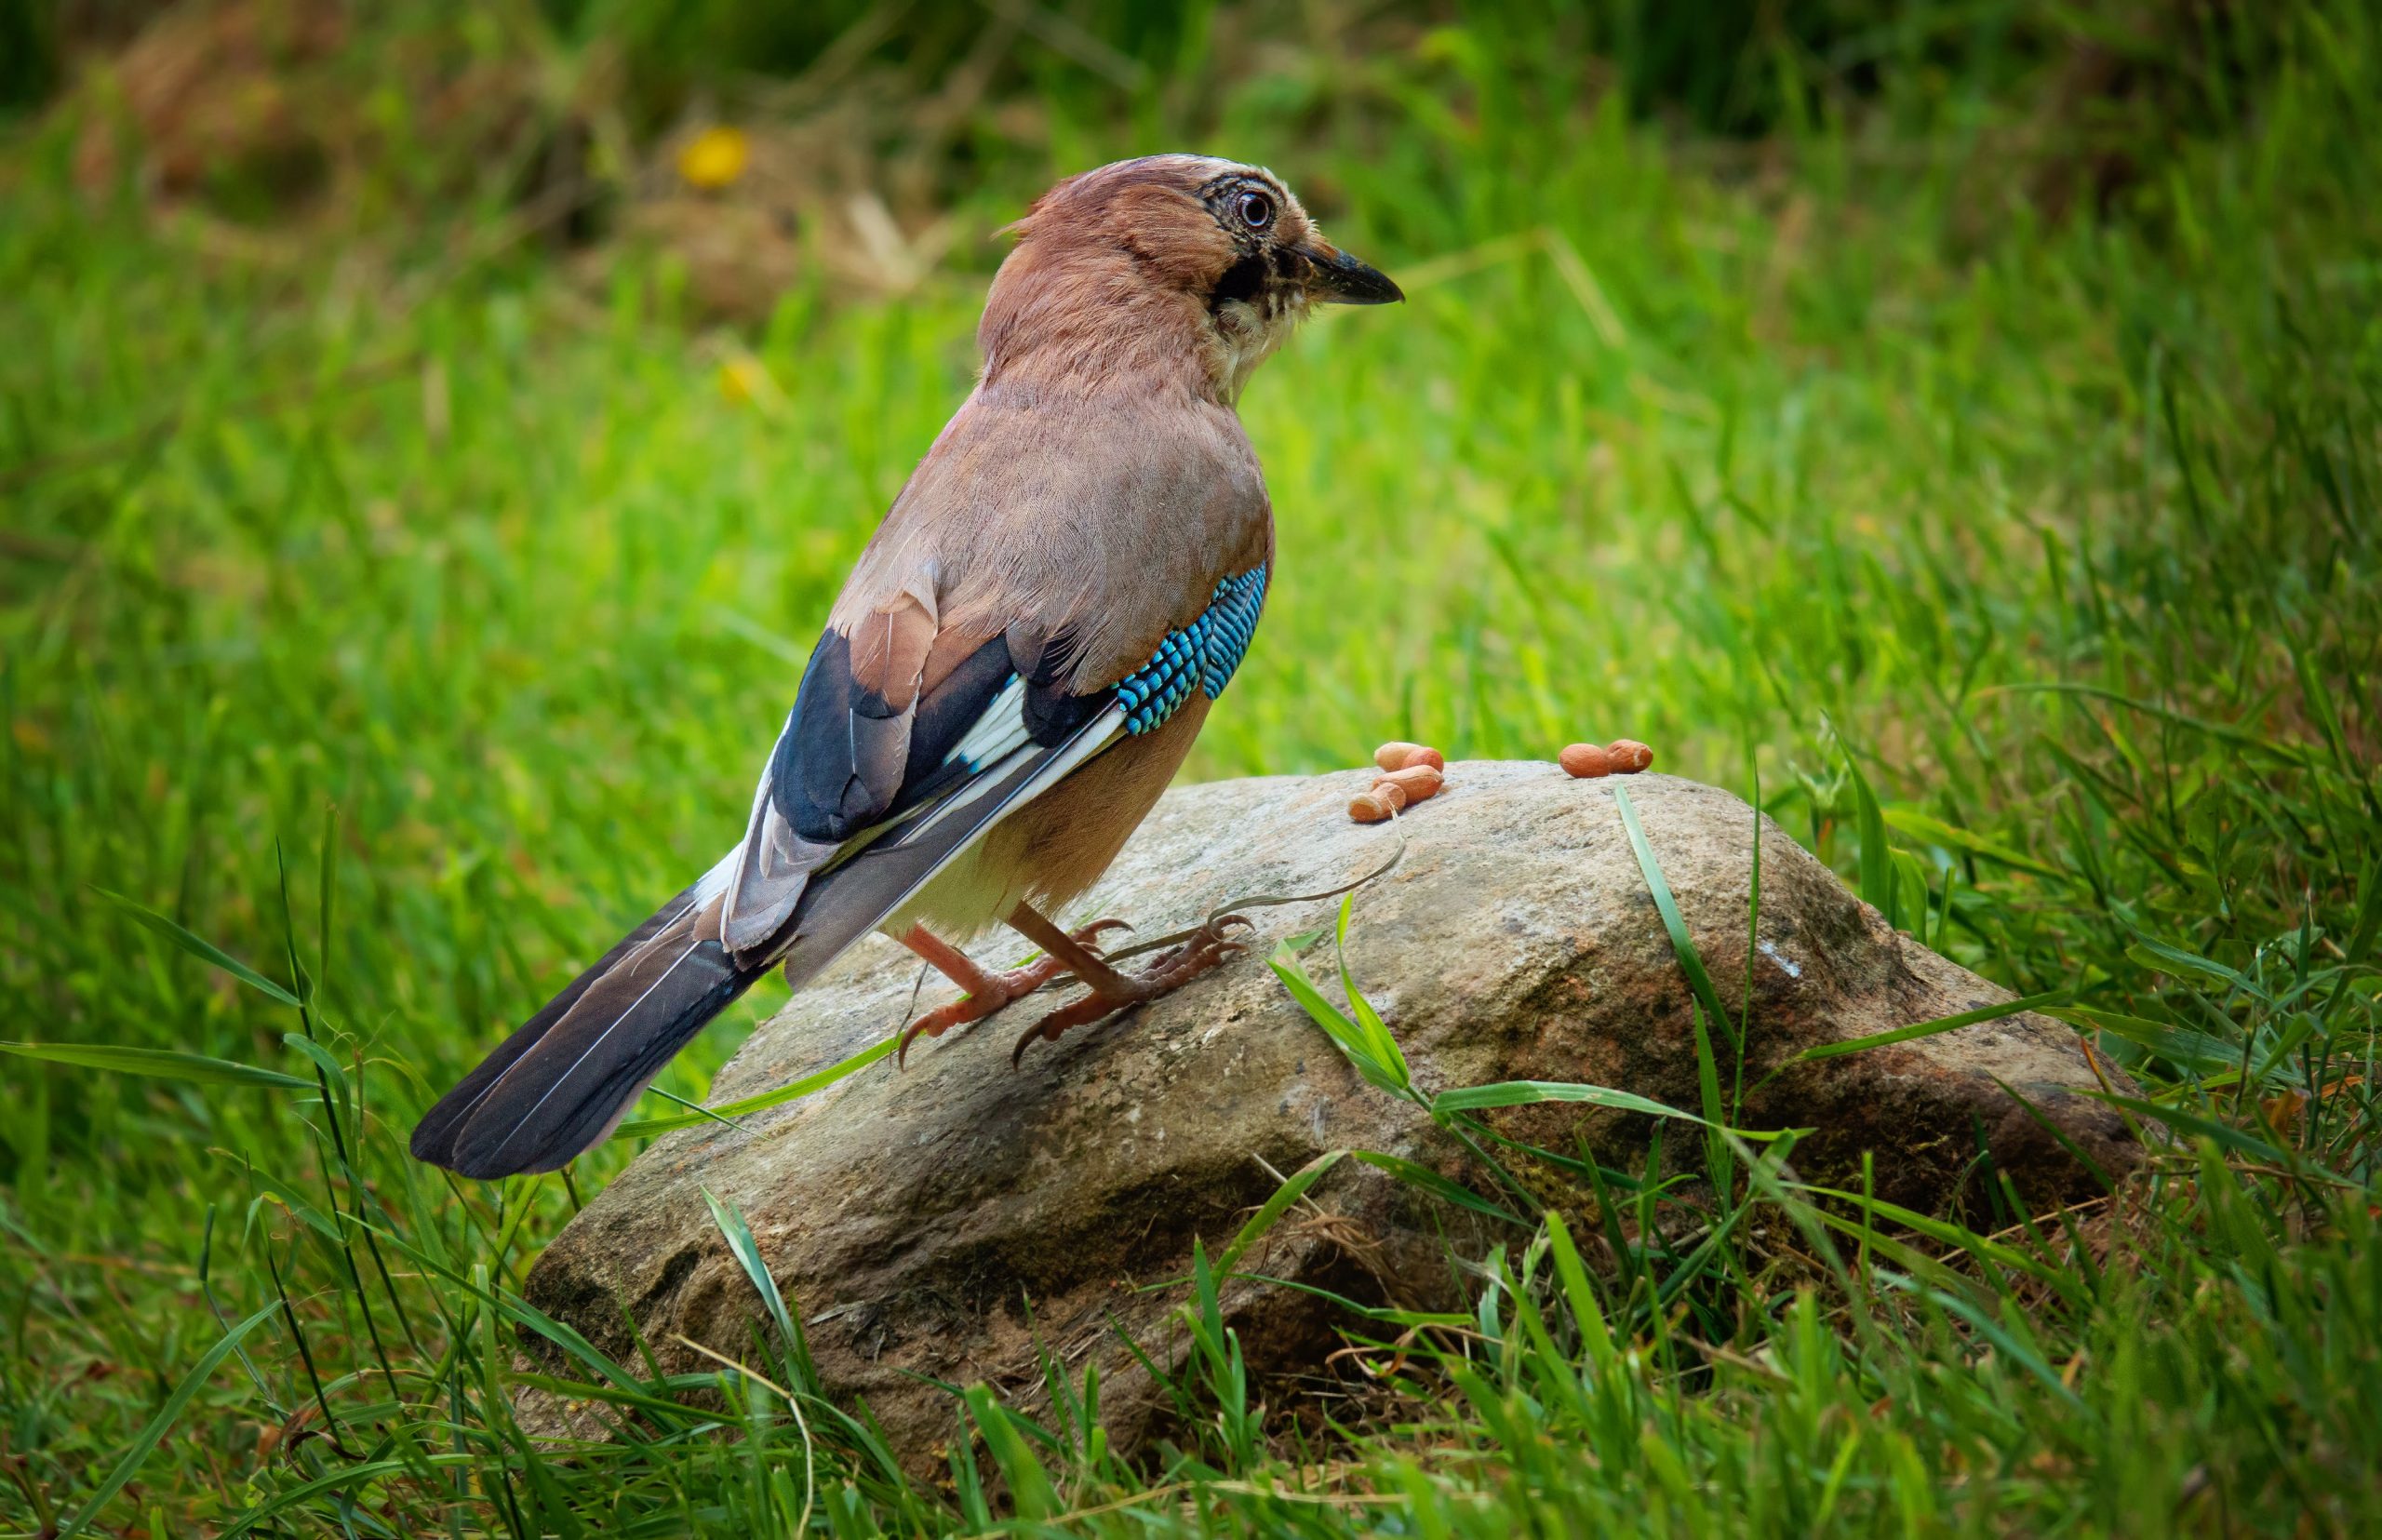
(567,1077)
(564,1078)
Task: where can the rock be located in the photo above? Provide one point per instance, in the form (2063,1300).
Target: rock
(913,1218)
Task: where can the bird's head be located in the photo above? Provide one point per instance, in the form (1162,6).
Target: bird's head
(1168,262)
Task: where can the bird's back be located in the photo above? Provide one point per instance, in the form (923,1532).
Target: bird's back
(1101,523)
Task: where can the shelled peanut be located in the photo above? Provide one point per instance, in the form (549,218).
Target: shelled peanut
(1622,757)
(1420,783)
(1410,774)
(1584,760)
(1393,757)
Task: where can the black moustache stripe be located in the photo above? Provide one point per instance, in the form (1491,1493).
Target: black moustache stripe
(1242,280)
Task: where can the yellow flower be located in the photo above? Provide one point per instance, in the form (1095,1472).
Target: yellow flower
(743,382)
(714,158)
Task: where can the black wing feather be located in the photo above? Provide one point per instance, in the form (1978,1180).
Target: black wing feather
(843,751)
(848,759)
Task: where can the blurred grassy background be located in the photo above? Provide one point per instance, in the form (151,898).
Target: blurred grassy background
(457,419)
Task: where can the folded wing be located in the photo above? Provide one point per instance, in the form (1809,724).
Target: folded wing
(902,749)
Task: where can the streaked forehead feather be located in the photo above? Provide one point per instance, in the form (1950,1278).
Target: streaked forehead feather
(1198,175)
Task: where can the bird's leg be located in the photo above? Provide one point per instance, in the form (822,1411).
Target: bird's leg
(1112,991)
(985,993)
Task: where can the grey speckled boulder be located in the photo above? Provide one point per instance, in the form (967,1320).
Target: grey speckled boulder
(913,1218)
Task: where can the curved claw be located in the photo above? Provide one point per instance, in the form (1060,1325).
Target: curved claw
(1090,935)
(1083,1013)
(934,1024)
(1203,951)
(1169,971)
(1000,990)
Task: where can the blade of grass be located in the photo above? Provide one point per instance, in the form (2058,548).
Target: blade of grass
(747,1251)
(1292,1189)
(1934,831)
(1921,1029)
(1718,1159)
(647,1127)
(1384,1046)
(1515,1093)
(205,951)
(164,1064)
(1423,1176)
(1691,961)
(1877,863)
(1353,1041)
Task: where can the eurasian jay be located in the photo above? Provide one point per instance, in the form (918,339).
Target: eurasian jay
(1013,672)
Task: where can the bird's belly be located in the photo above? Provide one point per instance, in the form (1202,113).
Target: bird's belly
(963,900)
(1052,850)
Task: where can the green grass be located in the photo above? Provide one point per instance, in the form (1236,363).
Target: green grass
(2029,566)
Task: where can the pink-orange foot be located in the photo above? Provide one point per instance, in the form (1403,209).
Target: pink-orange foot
(1208,947)
(986,992)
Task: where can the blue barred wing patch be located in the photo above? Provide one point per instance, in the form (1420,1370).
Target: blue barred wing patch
(1200,656)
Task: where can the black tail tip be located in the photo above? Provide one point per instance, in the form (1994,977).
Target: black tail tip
(437,1147)
(557,1087)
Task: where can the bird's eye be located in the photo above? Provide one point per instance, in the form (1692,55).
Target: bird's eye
(1256,210)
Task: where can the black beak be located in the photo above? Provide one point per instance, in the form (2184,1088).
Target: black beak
(1340,279)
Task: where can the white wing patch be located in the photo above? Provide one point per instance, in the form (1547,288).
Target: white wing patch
(997,732)
(1095,736)
(763,879)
